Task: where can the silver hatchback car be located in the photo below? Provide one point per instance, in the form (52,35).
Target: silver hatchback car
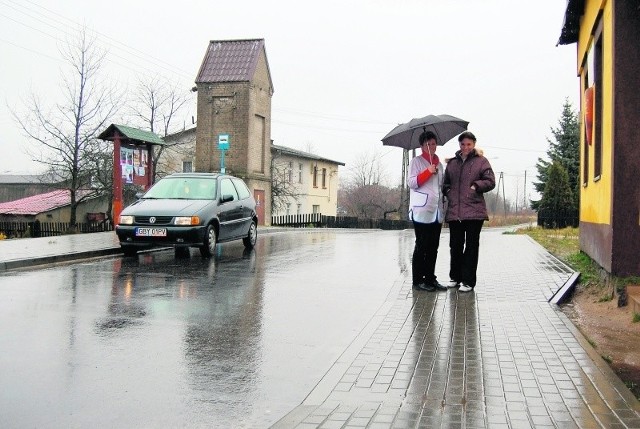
(190,210)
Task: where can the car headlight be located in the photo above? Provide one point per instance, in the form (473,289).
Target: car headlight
(187,220)
(126,220)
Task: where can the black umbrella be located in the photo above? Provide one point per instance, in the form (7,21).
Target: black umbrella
(406,135)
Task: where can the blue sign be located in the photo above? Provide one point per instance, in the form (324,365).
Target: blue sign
(223,141)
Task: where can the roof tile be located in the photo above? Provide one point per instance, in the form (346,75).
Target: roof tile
(39,203)
(230,61)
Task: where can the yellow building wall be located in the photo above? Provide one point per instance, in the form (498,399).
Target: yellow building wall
(596,196)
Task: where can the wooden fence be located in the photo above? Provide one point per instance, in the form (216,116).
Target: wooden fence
(317,220)
(49,229)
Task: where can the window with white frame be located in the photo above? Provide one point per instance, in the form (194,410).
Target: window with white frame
(300,172)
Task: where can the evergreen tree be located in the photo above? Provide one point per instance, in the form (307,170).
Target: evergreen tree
(557,208)
(565,149)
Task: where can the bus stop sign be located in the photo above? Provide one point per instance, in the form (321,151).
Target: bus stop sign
(223,141)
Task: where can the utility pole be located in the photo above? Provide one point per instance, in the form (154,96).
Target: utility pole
(404,193)
(495,201)
(525,205)
(517,196)
(504,198)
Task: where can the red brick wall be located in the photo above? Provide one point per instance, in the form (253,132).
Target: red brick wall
(242,110)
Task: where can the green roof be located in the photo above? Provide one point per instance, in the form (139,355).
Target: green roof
(131,134)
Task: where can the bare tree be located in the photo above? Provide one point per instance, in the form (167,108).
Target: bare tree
(155,105)
(367,169)
(364,194)
(67,132)
(283,189)
(308,147)
(178,148)
(369,201)
(100,164)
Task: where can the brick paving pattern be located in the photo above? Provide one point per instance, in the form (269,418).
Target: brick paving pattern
(500,357)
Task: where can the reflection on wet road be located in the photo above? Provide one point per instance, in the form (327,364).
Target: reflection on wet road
(234,341)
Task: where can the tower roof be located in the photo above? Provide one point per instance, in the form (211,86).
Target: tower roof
(231,61)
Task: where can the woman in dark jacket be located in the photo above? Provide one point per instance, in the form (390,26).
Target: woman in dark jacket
(467,177)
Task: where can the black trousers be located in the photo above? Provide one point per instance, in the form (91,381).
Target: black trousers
(464,243)
(425,252)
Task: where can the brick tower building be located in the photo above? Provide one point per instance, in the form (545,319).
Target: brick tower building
(234,98)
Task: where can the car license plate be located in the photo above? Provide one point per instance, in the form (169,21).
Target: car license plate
(151,232)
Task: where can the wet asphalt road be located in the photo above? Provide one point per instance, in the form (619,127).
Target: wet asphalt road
(238,340)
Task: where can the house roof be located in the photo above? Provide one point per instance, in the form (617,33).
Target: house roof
(39,203)
(21,179)
(131,133)
(300,154)
(177,135)
(571,25)
(231,61)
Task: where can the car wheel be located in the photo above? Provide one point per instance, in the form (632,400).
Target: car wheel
(252,236)
(209,244)
(129,251)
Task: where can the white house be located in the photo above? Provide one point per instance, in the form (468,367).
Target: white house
(179,152)
(303,183)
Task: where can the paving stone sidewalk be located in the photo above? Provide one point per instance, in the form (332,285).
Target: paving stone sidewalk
(500,357)
(28,252)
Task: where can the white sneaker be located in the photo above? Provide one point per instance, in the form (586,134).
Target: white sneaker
(453,283)
(465,288)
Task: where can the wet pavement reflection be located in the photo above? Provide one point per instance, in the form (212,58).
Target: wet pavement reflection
(313,328)
(237,340)
(501,356)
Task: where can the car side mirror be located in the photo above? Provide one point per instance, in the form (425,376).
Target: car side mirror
(226,198)
(139,195)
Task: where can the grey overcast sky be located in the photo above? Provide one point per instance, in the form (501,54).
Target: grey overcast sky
(345,72)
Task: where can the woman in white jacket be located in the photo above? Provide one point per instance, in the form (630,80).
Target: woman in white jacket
(425,210)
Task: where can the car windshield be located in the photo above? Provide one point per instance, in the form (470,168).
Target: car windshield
(185,188)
